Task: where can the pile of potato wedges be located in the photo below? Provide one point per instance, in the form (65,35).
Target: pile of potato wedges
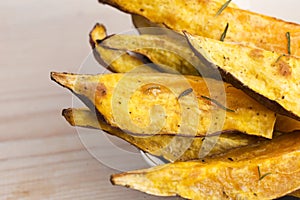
(211,88)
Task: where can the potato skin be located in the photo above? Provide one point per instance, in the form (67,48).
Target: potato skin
(199,17)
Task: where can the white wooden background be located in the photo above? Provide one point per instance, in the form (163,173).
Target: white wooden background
(41,156)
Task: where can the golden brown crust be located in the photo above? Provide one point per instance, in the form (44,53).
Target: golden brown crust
(199,113)
(267,170)
(167,146)
(259,78)
(199,17)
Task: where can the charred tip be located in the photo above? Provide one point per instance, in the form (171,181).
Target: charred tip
(103,1)
(64,79)
(92,42)
(68,115)
(98,41)
(112,179)
(118,179)
(66,111)
(98,32)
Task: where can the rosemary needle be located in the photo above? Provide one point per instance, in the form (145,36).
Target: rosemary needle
(185,92)
(288,36)
(223,7)
(217,103)
(260,177)
(224,33)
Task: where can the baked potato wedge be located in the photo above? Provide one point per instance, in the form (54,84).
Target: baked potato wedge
(136,43)
(200,17)
(115,60)
(168,104)
(169,147)
(141,22)
(170,53)
(267,170)
(269,77)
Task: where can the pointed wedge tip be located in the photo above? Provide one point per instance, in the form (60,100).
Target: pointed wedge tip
(68,115)
(119,179)
(112,179)
(64,79)
(98,32)
(57,76)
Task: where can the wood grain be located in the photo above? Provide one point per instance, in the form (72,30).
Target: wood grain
(41,156)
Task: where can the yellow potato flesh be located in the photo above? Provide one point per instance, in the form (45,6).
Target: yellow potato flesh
(169,147)
(149,104)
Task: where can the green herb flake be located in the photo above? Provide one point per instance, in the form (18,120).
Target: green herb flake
(185,93)
(260,177)
(223,36)
(288,37)
(279,58)
(223,7)
(217,103)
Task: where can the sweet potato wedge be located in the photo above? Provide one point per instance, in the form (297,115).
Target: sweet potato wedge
(116,60)
(267,170)
(141,22)
(137,43)
(268,77)
(200,17)
(158,103)
(171,53)
(166,146)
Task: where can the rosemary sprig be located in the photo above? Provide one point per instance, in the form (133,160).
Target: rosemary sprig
(223,7)
(260,177)
(185,92)
(279,58)
(224,33)
(288,37)
(217,103)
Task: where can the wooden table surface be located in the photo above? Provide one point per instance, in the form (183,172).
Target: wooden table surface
(41,156)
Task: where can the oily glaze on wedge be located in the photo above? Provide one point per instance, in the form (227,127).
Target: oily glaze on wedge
(116,60)
(268,170)
(169,147)
(200,17)
(269,77)
(158,103)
